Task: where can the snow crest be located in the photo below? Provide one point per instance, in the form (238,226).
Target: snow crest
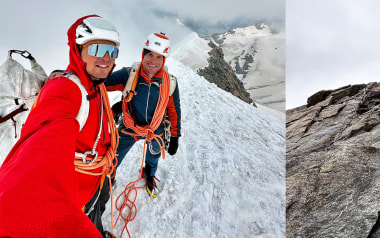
(227,178)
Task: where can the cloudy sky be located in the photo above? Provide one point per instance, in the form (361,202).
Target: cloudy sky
(330,44)
(40,26)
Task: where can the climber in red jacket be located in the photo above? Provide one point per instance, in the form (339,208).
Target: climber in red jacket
(53,171)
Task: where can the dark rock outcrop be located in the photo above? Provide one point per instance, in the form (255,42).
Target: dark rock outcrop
(220,72)
(333,164)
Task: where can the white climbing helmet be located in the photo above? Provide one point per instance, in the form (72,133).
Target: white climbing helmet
(159,43)
(96,28)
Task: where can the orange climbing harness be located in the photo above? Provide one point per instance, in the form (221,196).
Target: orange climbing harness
(126,207)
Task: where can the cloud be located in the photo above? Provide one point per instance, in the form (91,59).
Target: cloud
(40,26)
(330,44)
(224,10)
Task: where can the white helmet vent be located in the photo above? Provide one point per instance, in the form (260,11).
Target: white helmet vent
(96,28)
(158,43)
(100,23)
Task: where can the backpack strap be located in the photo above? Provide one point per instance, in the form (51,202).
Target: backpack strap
(85,105)
(173,83)
(131,83)
(129,89)
(84,109)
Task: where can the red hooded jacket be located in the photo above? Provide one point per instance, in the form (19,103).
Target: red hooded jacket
(41,194)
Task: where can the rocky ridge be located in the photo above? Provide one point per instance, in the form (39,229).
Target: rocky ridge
(220,72)
(333,164)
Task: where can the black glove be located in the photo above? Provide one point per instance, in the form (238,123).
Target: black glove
(117,109)
(173,145)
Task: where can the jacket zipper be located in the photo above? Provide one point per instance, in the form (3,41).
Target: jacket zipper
(147,104)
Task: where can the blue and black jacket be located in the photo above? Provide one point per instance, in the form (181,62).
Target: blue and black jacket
(144,102)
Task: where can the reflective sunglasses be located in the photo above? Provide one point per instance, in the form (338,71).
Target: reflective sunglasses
(100,50)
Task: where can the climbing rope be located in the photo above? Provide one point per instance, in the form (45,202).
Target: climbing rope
(148,130)
(127,207)
(125,203)
(106,162)
(88,164)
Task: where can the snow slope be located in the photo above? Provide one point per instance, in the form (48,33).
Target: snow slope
(227,178)
(265,80)
(192,51)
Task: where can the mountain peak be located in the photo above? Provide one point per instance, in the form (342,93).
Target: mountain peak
(221,73)
(256,56)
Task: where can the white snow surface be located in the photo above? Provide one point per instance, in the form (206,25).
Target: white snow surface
(192,51)
(265,80)
(227,178)
(240,40)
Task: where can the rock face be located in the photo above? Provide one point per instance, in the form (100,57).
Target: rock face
(220,72)
(333,164)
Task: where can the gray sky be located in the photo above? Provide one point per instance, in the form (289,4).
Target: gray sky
(330,44)
(40,26)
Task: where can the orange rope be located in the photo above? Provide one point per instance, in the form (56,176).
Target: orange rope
(128,205)
(130,192)
(106,161)
(148,131)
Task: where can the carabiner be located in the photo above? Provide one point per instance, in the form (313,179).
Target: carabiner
(94,153)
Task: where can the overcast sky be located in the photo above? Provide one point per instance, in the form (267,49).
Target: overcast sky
(40,26)
(330,44)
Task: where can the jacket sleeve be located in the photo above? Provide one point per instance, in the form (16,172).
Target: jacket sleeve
(117,80)
(174,113)
(38,183)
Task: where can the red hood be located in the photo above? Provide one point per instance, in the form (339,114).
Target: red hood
(77,66)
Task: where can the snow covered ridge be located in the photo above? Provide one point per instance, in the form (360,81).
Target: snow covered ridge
(258,57)
(227,178)
(255,53)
